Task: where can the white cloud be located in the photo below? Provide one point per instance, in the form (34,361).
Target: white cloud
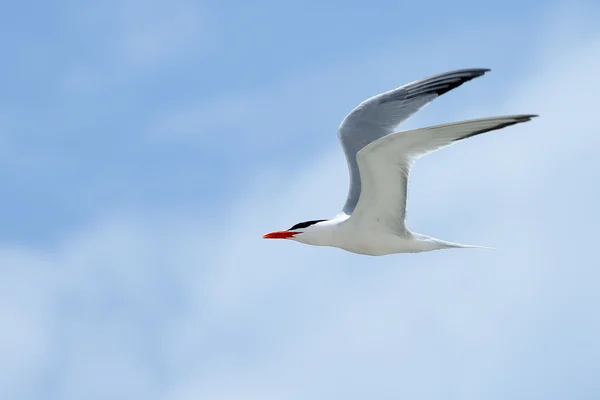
(182,309)
(25,286)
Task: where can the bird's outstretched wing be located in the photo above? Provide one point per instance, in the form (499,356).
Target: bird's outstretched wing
(385,164)
(381,114)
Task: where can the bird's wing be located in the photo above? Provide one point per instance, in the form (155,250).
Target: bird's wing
(381,114)
(385,164)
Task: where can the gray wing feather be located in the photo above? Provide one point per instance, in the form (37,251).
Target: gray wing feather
(380,115)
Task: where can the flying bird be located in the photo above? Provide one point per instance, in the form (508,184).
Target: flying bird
(372,221)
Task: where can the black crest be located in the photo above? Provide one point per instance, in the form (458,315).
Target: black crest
(306,224)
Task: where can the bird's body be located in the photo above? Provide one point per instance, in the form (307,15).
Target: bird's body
(372,221)
(342,233)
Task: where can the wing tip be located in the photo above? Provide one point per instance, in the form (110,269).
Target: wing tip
(474,71)
(433,85)
(525,117)
(507,121)
(447,81)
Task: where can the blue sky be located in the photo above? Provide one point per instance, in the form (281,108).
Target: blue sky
(146,147)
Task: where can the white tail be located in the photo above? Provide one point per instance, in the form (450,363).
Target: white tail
(431,243)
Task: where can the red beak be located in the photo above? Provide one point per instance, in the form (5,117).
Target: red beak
(280,235)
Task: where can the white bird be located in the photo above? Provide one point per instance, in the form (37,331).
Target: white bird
(379,159)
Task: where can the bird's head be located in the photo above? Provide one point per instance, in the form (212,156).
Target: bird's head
(296,231)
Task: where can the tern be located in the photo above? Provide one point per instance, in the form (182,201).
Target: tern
(372,221)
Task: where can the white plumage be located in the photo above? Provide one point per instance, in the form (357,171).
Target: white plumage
(372,220)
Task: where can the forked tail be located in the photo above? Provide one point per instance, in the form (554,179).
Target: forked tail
(450,245)
(430,243)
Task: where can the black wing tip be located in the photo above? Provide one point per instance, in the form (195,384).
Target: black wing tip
(481,71)
(524,117)
(443,83)
(463,76)
(464,73)
(435,84)
(474,71)
(516,119)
